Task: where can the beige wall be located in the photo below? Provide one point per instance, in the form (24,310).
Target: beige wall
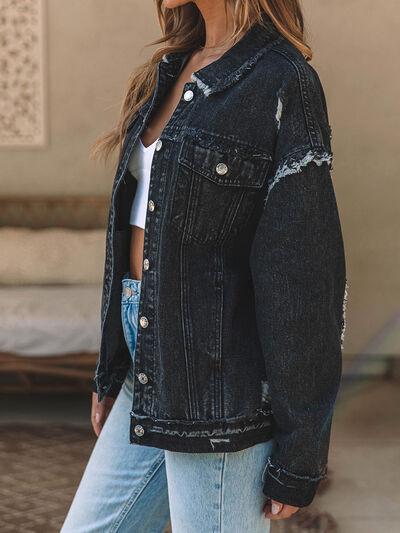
(93,45)
(91,48)
(357,45)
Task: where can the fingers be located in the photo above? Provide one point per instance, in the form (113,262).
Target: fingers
(98,415)
(99,419)
(276,507)
(100,412)
(97,423)
(274,510)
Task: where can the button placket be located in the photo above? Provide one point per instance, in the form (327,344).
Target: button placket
(143,395)
(187,96)
(143,320)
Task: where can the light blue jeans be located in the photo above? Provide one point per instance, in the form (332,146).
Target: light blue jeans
(137,489)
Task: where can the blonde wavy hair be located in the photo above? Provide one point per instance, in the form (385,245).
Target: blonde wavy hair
(183,30)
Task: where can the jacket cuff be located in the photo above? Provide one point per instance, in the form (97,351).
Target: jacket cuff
(288,488)
(110,391)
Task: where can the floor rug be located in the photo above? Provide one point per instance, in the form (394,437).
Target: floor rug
(40,468)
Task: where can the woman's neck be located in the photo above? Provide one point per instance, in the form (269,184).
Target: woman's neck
(219,25)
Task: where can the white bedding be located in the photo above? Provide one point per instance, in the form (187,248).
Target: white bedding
(50,320)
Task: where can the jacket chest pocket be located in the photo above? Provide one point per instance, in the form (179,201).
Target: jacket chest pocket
(215,191)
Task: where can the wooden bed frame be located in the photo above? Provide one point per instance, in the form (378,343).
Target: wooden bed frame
(58,373)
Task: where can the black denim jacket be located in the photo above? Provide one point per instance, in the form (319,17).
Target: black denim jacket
(243,288)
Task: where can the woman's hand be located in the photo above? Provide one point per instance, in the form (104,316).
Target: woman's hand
(100,412)
(277,511)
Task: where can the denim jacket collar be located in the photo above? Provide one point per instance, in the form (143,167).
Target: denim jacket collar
(233,64)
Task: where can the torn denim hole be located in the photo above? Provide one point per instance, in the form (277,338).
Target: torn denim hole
(265,396)
(217,441)
(264,471)
(254,426)
(344,321)
(294,166)
(278,114)
(276,478)
(283,476)
(201,85)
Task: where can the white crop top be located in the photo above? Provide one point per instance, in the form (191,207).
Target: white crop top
(140,166)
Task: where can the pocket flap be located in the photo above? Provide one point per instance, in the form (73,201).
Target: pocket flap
(225,167)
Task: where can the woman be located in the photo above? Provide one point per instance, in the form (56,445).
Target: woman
(224,285)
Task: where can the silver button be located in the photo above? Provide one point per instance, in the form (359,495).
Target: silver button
(146,264)
(158,145)
(144,322)
(221,169)
(139,430)
(143,378)
(151,205)
(188,96)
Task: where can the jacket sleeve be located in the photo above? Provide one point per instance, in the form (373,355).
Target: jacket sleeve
(298,270)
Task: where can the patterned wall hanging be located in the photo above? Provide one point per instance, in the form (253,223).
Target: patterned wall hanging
(22,109)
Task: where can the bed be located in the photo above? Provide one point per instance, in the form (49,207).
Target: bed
(52,256)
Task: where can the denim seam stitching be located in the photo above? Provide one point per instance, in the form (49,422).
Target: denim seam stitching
(133,498)
(303,82)
(297,477)
(220,339)
(221,490)
(189,377)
